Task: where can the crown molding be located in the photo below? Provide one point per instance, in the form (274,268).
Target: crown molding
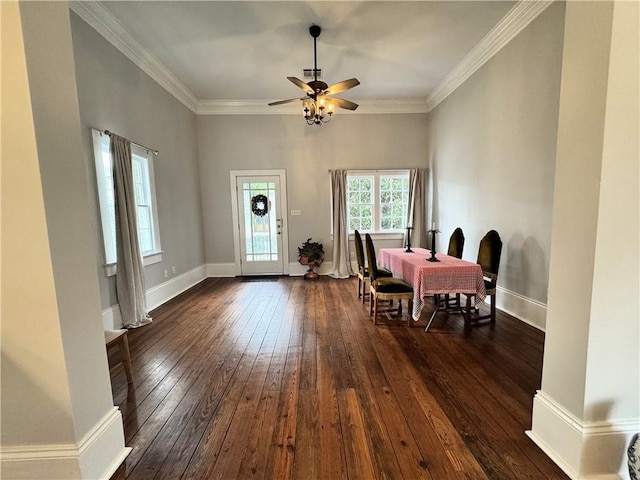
(521,15)
(260,107)
(114,32)
(98,17)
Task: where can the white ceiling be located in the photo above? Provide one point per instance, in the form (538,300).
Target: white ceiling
(240,51)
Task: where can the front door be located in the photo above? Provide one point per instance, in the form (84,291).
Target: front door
(260,224)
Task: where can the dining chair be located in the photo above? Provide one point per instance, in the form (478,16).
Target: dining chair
(456,246)
(120,338)
(385,288)
(456,243)
(489,259)
(363,272)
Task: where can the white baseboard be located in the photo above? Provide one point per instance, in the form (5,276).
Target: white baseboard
(523,308)
(102,450)
(156,296)
(297,270)
(40,462)
(111,318)
(583,450)
(221,269)
(97,456)
(164,292)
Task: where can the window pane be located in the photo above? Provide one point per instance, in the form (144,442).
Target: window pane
(394,195)
(377,201)
(260,232)
(359,195)
(142,175)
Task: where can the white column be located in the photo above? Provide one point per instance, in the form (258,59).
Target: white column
(589,403)
(58,418)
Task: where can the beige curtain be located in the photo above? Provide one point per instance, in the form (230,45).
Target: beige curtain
(417,212)
(341,261)
(130,285)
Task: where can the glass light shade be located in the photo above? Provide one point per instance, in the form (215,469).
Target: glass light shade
(330,106)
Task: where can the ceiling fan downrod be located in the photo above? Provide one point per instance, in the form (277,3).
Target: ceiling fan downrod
(319,104)
(317,85)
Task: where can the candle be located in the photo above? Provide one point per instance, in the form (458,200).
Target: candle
(433,226)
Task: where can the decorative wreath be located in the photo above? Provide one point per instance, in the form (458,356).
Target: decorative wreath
(260,205)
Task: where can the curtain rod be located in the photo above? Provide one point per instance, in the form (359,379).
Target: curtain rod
(374,170)
(155,152)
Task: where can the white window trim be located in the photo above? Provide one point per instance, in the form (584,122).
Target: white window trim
(154,257)
(110,269)
(376,234)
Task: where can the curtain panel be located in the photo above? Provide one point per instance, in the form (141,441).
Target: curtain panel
(130,282)
(341,257)
(417,211)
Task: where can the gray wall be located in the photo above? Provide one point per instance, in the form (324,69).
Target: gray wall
(492,153)
(41,386)
(115,94)
(242,142)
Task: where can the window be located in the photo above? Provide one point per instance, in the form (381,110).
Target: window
(377,202)
(148,232)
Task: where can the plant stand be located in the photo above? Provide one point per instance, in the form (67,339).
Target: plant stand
(311,274)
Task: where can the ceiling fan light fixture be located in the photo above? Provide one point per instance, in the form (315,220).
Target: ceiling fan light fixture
(318,106)
(319,110)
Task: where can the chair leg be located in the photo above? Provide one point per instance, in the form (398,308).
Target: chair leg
(493,308)
(127,358)
(371,300)
(467,315)
(359,284)
(364,291)
(374,300)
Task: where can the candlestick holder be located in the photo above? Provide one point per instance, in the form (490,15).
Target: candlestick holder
(408,250)
(433,246)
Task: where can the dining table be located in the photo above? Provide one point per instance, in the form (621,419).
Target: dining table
(429,278)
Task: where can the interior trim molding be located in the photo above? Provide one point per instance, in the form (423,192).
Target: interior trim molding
(260,107)
(523,308)
(173,287)
(521,15)
(298,270)
(221,270)
(103,22)
(98,17)
(97,455)
(102,449)
(157,295)
(586,450)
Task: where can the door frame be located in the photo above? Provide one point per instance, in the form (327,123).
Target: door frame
(284,230)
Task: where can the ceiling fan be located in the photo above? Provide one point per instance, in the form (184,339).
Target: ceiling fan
(318,104)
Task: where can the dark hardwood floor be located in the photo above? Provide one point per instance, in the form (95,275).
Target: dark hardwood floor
(291,379)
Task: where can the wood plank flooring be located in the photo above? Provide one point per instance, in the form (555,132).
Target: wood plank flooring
(291,380)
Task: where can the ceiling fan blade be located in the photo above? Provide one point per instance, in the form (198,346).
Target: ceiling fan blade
(342,103)
(301,84)
(342,86)
(282,102)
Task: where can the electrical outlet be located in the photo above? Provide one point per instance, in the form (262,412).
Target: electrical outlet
(173,270)
(166,273)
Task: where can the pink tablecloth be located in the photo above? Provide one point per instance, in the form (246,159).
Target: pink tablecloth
(449,275)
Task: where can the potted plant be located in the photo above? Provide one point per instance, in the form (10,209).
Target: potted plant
(312,255)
